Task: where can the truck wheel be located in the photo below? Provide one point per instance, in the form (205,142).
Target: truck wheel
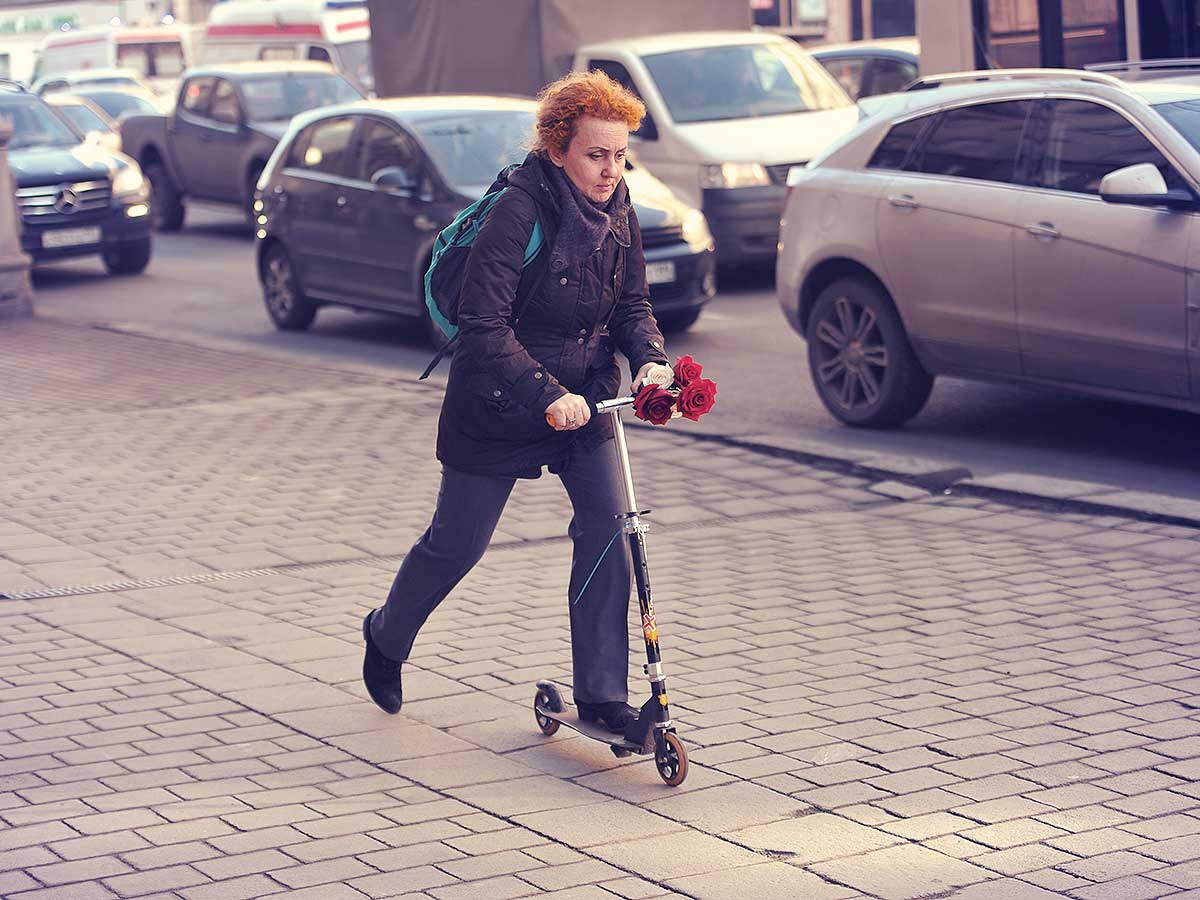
(165,202)
(286,304)
(861,362)
(128,257)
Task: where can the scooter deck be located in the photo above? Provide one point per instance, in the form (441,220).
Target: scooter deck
(597,731)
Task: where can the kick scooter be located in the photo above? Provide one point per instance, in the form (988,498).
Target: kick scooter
(652,731)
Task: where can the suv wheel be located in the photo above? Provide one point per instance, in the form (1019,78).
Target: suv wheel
(128,257)
(165,201)
(286,304)
(862,364)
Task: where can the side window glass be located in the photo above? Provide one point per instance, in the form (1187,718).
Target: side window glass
(325,147)
(1087,141)
(890,75)
(893,151)
(319,54)
(196,96)
(979,142)
(384,147)
(277,53)
(618,73)
(848,72)
(224,107)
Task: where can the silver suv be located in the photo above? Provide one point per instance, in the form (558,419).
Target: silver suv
(1033,226)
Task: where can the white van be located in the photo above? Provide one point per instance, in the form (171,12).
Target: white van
(155,53)
(728,114)
(334,31)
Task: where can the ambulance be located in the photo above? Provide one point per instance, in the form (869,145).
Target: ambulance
(334,31)
(154,52)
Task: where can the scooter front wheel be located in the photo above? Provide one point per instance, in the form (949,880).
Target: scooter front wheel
(671,760)
(548,725)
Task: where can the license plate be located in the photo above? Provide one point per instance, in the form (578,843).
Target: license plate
(70,237)
(660,272)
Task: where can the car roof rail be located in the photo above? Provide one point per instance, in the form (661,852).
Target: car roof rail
(1135,64)
(12,86)
(987,75)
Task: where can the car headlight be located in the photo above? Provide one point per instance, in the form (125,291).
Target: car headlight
(695,230)
(129,180)
(734,175)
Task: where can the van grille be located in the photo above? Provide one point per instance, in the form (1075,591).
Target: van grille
(63,201)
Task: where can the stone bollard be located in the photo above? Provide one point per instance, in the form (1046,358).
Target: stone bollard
(16,291)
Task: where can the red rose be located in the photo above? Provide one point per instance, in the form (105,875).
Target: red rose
(654,405)
(687,370)
(697,398)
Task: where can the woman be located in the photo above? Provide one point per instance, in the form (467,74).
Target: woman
(518,392)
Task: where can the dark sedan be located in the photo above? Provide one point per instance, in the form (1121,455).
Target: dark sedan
(353,197)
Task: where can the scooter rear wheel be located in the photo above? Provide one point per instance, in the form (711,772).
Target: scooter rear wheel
(549,726)
(671,760)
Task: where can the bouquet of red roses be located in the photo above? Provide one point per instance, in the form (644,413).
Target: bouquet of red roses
(670,392)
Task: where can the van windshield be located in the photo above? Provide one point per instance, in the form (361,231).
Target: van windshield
(154,59)
(354,58)
(742,81)
(470,148)
(275,98)
(34,124)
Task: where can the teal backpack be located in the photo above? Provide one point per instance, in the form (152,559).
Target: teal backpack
(447,269)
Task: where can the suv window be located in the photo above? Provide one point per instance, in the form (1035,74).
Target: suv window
(383,147)
(323,147)
(894,149)
(979,142)
(618,73)
(197,95)
(224,106)
(1087,141)
(889,75)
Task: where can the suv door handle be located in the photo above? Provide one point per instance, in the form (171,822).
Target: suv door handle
(341,201)
(903,201)
(1043,230)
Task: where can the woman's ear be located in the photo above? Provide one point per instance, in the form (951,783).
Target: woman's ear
(555,156)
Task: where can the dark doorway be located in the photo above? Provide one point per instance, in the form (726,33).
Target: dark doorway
(1050,33)
(1170,28)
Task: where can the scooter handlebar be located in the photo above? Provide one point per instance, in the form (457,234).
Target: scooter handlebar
(608,406)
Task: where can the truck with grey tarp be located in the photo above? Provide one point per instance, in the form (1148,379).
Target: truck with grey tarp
(729,110)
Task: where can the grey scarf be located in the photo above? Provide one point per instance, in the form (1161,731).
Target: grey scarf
(584,224)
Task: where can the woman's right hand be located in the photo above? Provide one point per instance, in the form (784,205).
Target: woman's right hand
(568,413)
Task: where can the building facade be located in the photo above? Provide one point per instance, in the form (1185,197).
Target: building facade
(981,34)
(837,20)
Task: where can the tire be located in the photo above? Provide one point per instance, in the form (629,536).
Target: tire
(677,323)
(165,201)
(286,304)
(547,725)
(671,760)
(128,257)
(862,364)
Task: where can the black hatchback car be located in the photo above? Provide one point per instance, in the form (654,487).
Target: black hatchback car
(75,196)
(353,197)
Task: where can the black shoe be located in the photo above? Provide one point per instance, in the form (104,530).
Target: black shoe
(615,715)
(381,675)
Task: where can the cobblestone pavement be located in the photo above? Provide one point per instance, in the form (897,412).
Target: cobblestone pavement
(885,693)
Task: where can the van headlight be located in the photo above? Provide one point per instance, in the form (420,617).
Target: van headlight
(695,230)
(129,180)
(734,175)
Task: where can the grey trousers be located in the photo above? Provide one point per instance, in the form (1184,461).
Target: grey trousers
(468,508)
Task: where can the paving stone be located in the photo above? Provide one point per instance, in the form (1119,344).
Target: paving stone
(812,838)
(906,872)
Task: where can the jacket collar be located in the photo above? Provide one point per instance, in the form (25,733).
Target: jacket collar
(533,178)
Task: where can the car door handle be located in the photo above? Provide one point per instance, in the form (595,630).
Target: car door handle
(1043,230)
(205,137)
(903,201)
(342,201)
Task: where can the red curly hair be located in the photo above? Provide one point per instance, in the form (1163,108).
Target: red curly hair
(562,104)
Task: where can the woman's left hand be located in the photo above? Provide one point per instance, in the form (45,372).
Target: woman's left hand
(640,377)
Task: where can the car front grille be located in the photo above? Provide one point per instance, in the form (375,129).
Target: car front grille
(58,203)
(661,237)
(779,173)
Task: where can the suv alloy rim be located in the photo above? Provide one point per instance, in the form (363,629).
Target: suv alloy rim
(852,358)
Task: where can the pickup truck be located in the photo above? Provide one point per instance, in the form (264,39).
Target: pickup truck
(226,122)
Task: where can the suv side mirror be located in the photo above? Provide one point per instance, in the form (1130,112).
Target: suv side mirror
(395,179)
(1142,185)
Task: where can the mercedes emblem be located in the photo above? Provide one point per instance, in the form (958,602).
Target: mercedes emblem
(66,201)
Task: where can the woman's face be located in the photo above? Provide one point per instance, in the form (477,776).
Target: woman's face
(595,158)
